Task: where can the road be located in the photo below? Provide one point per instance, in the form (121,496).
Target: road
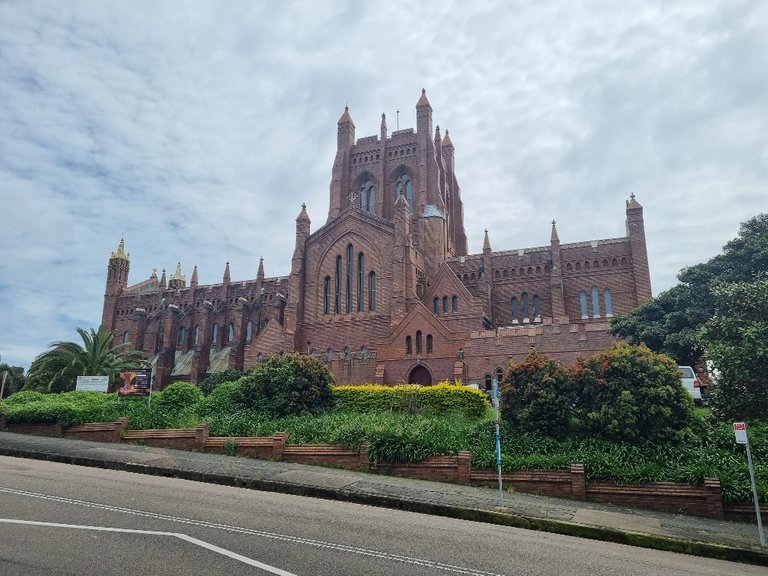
(59,519)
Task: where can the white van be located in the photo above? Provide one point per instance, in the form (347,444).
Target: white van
(691,383)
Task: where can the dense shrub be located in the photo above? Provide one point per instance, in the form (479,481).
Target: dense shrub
(632,394)
(289,384)
(211,382)
(223,400)
(178,397)
(69,408)
(537,395)
(23,397)
(442,398)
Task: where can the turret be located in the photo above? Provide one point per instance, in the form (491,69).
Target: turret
(636,234)
(193,282)
(117,280)
(227,278)
(556,292)
(345,139)
(294,310)
(178,280)
(424,115)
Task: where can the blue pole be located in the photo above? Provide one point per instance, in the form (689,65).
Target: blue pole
(498,438)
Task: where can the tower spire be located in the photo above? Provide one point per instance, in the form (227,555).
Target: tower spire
(554,237)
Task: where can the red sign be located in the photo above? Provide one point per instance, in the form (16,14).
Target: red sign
(740,429)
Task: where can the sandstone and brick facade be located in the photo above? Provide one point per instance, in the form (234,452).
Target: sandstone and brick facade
(385,291)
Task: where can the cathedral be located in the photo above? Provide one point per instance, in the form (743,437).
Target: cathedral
(384,291)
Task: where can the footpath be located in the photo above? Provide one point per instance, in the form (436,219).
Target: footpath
(721,539)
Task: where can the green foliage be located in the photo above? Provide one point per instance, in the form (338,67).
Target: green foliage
(58,368)
(631,394)
(178,397)
(14,380)
(536,394)
(737,343)
(23,397)
(222,400)
(289,384)
(442,398)
(69,408)
(211,382)
(670,322)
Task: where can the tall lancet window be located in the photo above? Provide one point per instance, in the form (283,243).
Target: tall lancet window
(368,197)
(405,186)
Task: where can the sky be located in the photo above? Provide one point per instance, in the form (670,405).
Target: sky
(197,129)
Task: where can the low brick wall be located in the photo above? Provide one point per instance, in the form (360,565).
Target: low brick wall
(558,483)
(745,512)
(33,428)
(267,447)
(98,431)
(455,469)
(327,454)
(183,438)
(663,496)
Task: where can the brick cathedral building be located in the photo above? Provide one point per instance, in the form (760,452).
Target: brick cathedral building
(385,291)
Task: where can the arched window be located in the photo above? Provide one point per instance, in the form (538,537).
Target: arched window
(347,353)
(586,265)
(249,331)
(337,302)
(126,337)
(197,335)
(368,197)
(455,304)
(445,304)
(408,345)
(405,186)
(488,383)
(360,282)
(596,264)
(623,261)
(614,262)
(595,302)
(350,250)
(504,274)
(525,307)
(418,341)
(430,344)
(583,305)
(515,318)
(230,332)
(182,334)
(327,295)
(372,291)
(436,305)
(215,333)
(499,375)
(568,267)
(329,355)
(365,353)
(608,299)
(536,309)
(497,274)
(578,266)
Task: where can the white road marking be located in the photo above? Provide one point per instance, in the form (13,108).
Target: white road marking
(260,533)
(187,538)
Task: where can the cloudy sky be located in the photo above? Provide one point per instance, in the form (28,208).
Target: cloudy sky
(197,129)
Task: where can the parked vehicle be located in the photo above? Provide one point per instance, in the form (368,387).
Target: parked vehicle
(691,383)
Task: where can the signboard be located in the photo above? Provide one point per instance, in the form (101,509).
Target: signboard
(135,382)
(92,383)
(740,429)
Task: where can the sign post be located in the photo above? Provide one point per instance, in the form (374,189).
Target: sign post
(2,387)
(498,438)
(740,430)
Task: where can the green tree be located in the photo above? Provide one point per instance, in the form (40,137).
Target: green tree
(670,322)
(15,379)
(632,394)
(736,339)
(57,369)
(290,384)
(537,395)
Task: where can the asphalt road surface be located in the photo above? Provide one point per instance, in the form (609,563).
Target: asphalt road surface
(58,519)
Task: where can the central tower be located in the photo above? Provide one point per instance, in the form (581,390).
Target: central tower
(371,173)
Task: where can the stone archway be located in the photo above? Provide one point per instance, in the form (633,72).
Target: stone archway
(420,375)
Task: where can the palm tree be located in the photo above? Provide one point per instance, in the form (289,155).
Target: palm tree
(59,367)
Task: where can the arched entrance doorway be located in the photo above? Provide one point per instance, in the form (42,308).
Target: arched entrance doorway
(420,375)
